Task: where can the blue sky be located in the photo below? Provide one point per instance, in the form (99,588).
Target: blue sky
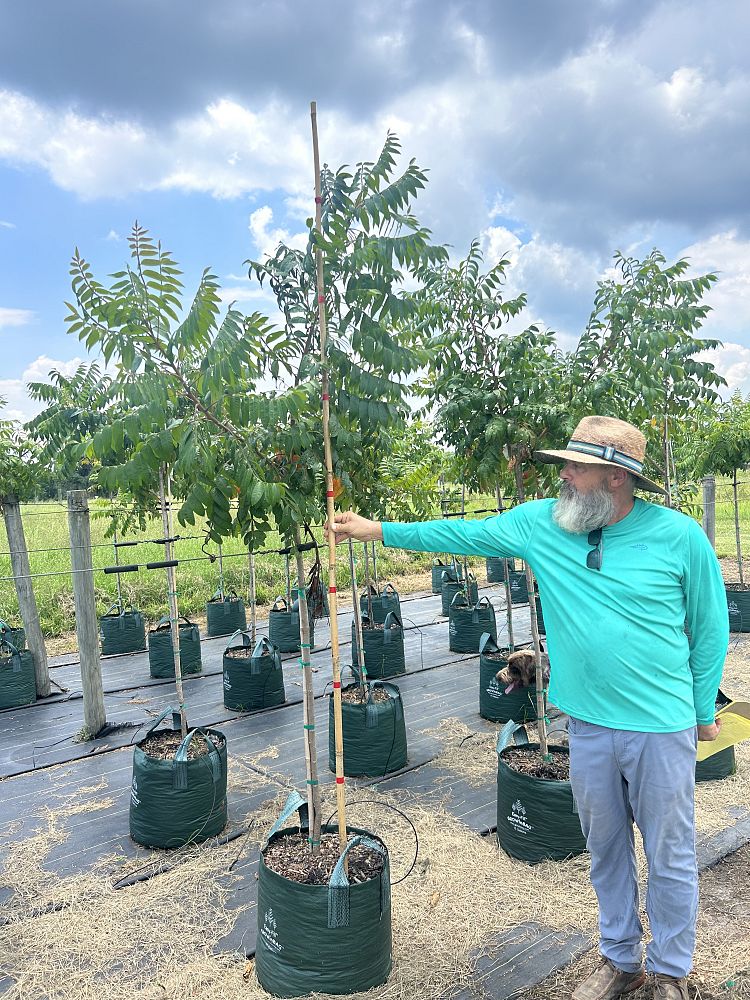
(558,130)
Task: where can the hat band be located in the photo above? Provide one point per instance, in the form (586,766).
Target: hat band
(608,453)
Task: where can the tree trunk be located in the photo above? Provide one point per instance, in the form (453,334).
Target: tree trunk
(709,509)
(508,599)
(308,704)
(541,707)
(19,561)
(251,595)
(174,620)
(87,627)
(358,638)
(737,529)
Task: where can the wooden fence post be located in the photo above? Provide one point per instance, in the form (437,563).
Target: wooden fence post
(709,509)
(87,629)
(19,560)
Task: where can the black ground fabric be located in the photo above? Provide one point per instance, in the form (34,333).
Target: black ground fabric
(179,801)
(122,632)
(161,654)
(224,617)
(374,735)
(332,938)
(17,677)
(255,681)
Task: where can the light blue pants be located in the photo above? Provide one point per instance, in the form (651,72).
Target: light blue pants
(619,777)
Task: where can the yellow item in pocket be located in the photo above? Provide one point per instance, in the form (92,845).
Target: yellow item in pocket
(735,727)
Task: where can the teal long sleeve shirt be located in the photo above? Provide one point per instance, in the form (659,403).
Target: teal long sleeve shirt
(618,651)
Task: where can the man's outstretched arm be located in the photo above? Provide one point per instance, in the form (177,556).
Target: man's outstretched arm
(506,535)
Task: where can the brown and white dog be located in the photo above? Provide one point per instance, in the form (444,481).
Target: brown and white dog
(520,670)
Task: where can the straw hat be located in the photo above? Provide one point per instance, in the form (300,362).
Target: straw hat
(606,441)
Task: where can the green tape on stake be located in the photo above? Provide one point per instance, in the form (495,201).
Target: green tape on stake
(312,781)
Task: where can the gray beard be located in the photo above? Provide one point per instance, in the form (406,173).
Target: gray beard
(579,513)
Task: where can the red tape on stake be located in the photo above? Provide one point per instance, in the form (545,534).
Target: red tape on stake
(321,298)
(330,493)
(332,590)
(325,396)
(337,684)
(318,200)
(339,781)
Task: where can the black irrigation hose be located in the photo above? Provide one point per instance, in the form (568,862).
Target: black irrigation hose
(386,805)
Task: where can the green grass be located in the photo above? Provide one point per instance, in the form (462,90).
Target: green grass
(46,527)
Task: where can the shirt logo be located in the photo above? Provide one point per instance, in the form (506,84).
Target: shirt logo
(640,546)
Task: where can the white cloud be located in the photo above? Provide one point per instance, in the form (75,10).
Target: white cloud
(7,225)
(15,317)
(20,406)
(732,361)
(266,238)
(728,255)
(113,236)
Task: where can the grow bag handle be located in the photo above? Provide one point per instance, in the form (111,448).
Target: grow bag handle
(338,886)
(165,620)
(264,647)
(449,575)
(460,594)
(227,595)
(160,718)
(392,593)
(294,803)
(279,604)
(390,618)
(512,730)
(245,639)
(438,562)
(15,656)
(483,602)
(4,626)
(371,711)
(180,762)
(486,639)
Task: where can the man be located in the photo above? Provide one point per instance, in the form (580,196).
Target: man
(618,578)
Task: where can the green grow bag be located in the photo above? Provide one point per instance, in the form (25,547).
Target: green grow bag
(15,636)
(161,656)
(467,623)
(536,818)
(518,705)
(519,591)
(719,765)
(17,677)
(254,681)
(384,647)
(121,631)
(374,734)
(383,603)
(438,567)
(738,606)
(179,801)
(451,587)
(496,569)
(283,627)
(224,617)
(333,938)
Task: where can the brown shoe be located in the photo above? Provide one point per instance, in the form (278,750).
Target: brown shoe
(608,982)
(668,988)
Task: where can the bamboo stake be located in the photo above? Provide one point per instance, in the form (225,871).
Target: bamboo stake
(174,622)
(375,568)
(335,652)
(667,478)
(308,705)
(358,619)
(221,573)
(506,573)
(251,594)
(541,708)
